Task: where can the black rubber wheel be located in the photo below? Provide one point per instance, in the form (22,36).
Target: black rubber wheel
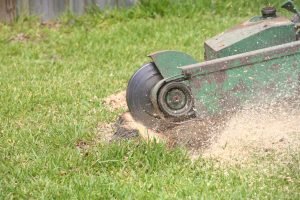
(138,95)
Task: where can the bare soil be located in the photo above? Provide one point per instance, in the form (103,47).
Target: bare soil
(21,37)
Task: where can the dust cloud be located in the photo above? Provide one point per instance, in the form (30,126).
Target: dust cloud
(255,130)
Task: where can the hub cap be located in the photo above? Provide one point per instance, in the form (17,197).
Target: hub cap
(175,100)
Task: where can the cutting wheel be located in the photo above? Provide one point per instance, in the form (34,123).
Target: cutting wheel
(138,95)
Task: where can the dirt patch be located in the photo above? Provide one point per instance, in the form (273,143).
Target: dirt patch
(195,135)
(21,37)
(51,24)
(127,128)
(116,101)
(24,37)
(105,132)
(253,131)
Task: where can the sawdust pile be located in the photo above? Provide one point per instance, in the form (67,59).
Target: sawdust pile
(254,131)
(116,101)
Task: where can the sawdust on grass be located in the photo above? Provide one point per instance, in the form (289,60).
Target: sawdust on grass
(116,101)
(254,131)
(257,132)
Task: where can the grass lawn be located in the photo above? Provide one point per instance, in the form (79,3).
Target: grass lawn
(53,79)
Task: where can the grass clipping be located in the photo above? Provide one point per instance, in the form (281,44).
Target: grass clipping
(254,131)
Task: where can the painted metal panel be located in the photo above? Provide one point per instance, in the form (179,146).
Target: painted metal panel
(77,6)
(51,9)
(223,85)
(47,9)
(114,3)
(249,36)
(22,7)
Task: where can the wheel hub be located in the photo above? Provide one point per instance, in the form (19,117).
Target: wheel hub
(175,100)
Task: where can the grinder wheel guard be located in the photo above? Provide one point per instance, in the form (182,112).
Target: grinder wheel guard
(174,99)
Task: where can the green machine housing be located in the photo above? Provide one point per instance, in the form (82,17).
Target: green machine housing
(258,60)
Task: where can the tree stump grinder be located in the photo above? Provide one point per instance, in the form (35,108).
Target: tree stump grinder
(258,59)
